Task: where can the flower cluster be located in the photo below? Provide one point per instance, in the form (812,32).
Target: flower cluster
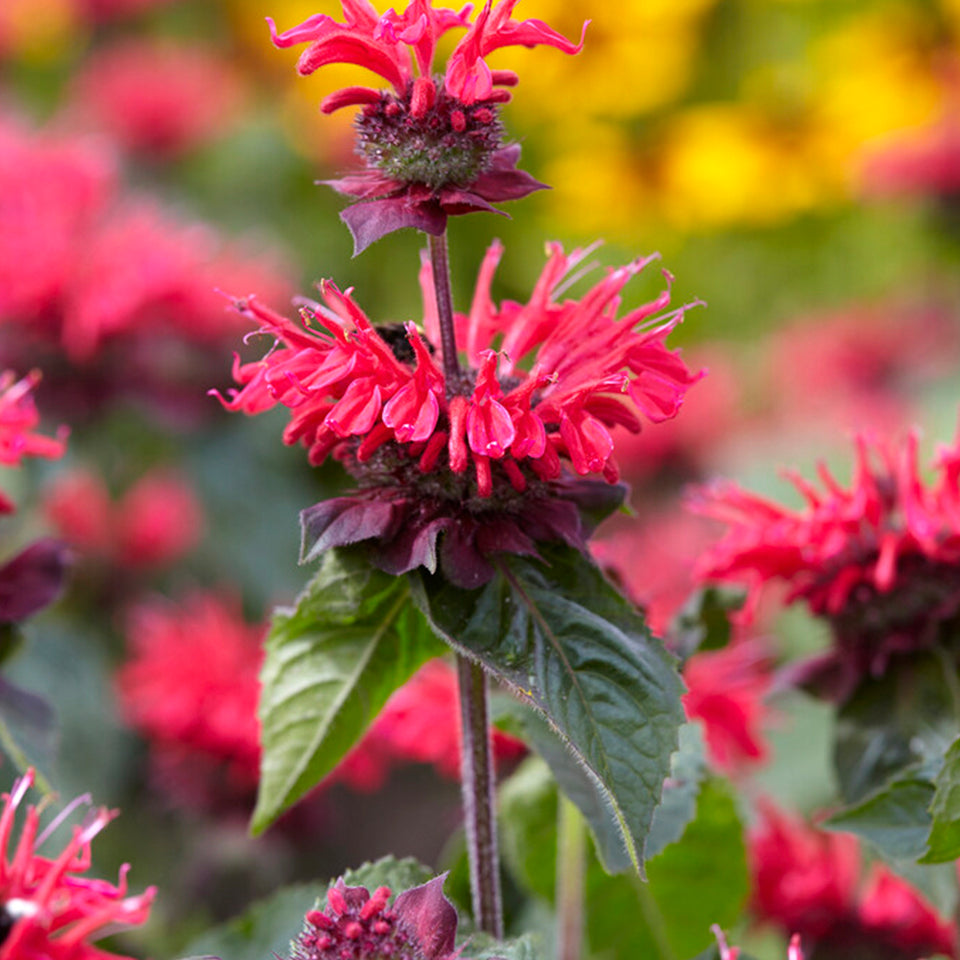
(18,421)
(808,882)
(433,145)
(878,560)
(566,372)
(93,277)
(50,911)
(155,99)
(420,924)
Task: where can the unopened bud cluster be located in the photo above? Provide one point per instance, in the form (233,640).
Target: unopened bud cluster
(428,137)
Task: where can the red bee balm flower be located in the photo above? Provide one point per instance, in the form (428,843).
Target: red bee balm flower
(49,911)
(881,561)
(421,924)
(18,420)
(377,399)
(807,881)
(434,145)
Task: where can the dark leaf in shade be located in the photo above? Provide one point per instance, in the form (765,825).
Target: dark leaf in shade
(32,579)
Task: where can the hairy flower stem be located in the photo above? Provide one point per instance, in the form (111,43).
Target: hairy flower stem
(571,874)
(478,798)
(441,284)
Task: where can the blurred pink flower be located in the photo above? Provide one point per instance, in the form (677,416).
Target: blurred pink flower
(725,692)
(19,419)
(879,560)
(376,398)
(104,10)
(50,910)
(93,277)
(157,98)
(653,557)
(860,368)
(434,146)
(807,881)
(52,189)
(156,522)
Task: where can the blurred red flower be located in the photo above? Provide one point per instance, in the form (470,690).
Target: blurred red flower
(93,277)
(155,98)
(725,692)
(859,369)
(50,911)
(880,560)
(807,881)
(156,522)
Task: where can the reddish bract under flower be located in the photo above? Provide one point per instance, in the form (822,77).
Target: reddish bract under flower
(157,99)
(18,421)
(879,560)
(50,911)
(807,882)
(420,924)
(154,523)
(725,691)
(433,147)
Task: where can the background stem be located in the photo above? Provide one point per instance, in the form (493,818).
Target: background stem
(571,874)
(478,798)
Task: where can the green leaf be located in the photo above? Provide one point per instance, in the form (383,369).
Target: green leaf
(481,946)
(267,928)
(703,878)
(700,880)
(331,664)
(688,768)
(559,635)
(891,724)
(943,843)
(703,622)
(896,820)
(576,783)
(398,875)
(528,827)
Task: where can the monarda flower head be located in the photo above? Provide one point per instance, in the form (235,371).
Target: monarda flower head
(48,909)
(433,145)
(880,560)
(420,924)
(479,460)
